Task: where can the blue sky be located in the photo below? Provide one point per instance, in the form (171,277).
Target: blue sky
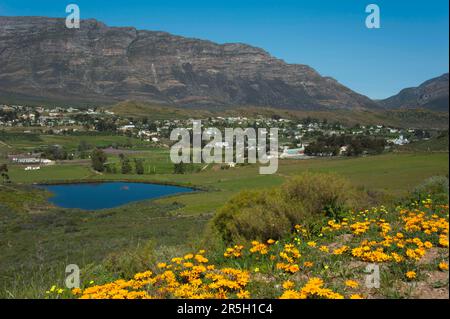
(329,35)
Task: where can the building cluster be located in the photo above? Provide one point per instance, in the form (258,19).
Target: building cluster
(294,135)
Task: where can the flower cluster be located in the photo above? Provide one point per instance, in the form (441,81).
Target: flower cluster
(341,250)
(314,288)
(290,256)
(359,228)
(260,248)
(234,252)
(185,277)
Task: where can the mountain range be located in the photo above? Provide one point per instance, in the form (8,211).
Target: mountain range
(42,60)
(432,94)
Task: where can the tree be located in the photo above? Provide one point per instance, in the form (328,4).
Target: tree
(179,168)
(126,166)
(98,159)
(139,165)
(54,152)
(83,146)
(105,126)
(4,173)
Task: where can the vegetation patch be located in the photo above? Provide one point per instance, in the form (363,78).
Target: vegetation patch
(408,244)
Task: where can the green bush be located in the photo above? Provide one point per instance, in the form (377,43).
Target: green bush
(436,187)
(319,193)
(274,213)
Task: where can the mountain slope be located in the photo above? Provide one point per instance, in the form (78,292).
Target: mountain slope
(40,59)
(432,94)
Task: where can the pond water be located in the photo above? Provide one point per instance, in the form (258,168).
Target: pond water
(94,196)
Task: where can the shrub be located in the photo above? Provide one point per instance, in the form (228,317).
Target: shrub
(253,215)
(436,187)
(274,213)
(318,193)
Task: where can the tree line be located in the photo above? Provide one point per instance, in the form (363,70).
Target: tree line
(99,163)
(356,145)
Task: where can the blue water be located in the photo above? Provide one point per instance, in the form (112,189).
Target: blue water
(94,196)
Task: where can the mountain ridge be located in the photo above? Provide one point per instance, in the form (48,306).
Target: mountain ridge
(40,58)
(432,94)
(43,61)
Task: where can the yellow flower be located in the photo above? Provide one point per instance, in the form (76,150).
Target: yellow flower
(443,266)
(352,283)
(271,241)
(411,275)
(443,241)
(259,247)
(288,285)
(340,251)
(76,291)
(324,249)
(356,296)
(308,264)
(397,257)
(162,265)
(311,244)
(294,268)
(428,244)
(199,258)
(360,227)
(313,288)
(243,294)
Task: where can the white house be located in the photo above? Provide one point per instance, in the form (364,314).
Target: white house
(399,141)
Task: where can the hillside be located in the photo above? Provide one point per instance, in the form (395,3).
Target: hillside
(432,95)
(403,118)
(42,60)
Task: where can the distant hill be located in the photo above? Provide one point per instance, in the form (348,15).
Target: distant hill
(432,95)
(405,118)
(41,60)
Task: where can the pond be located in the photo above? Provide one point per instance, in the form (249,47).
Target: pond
(95,196)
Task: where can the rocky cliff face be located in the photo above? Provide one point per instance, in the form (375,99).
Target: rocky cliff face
(432,94)
(41,58)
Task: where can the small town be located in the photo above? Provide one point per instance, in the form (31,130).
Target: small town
(299,139)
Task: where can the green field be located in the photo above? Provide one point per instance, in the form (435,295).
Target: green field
(26,142)
(393,174)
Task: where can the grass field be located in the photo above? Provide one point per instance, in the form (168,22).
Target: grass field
(393,174)
(71,142)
